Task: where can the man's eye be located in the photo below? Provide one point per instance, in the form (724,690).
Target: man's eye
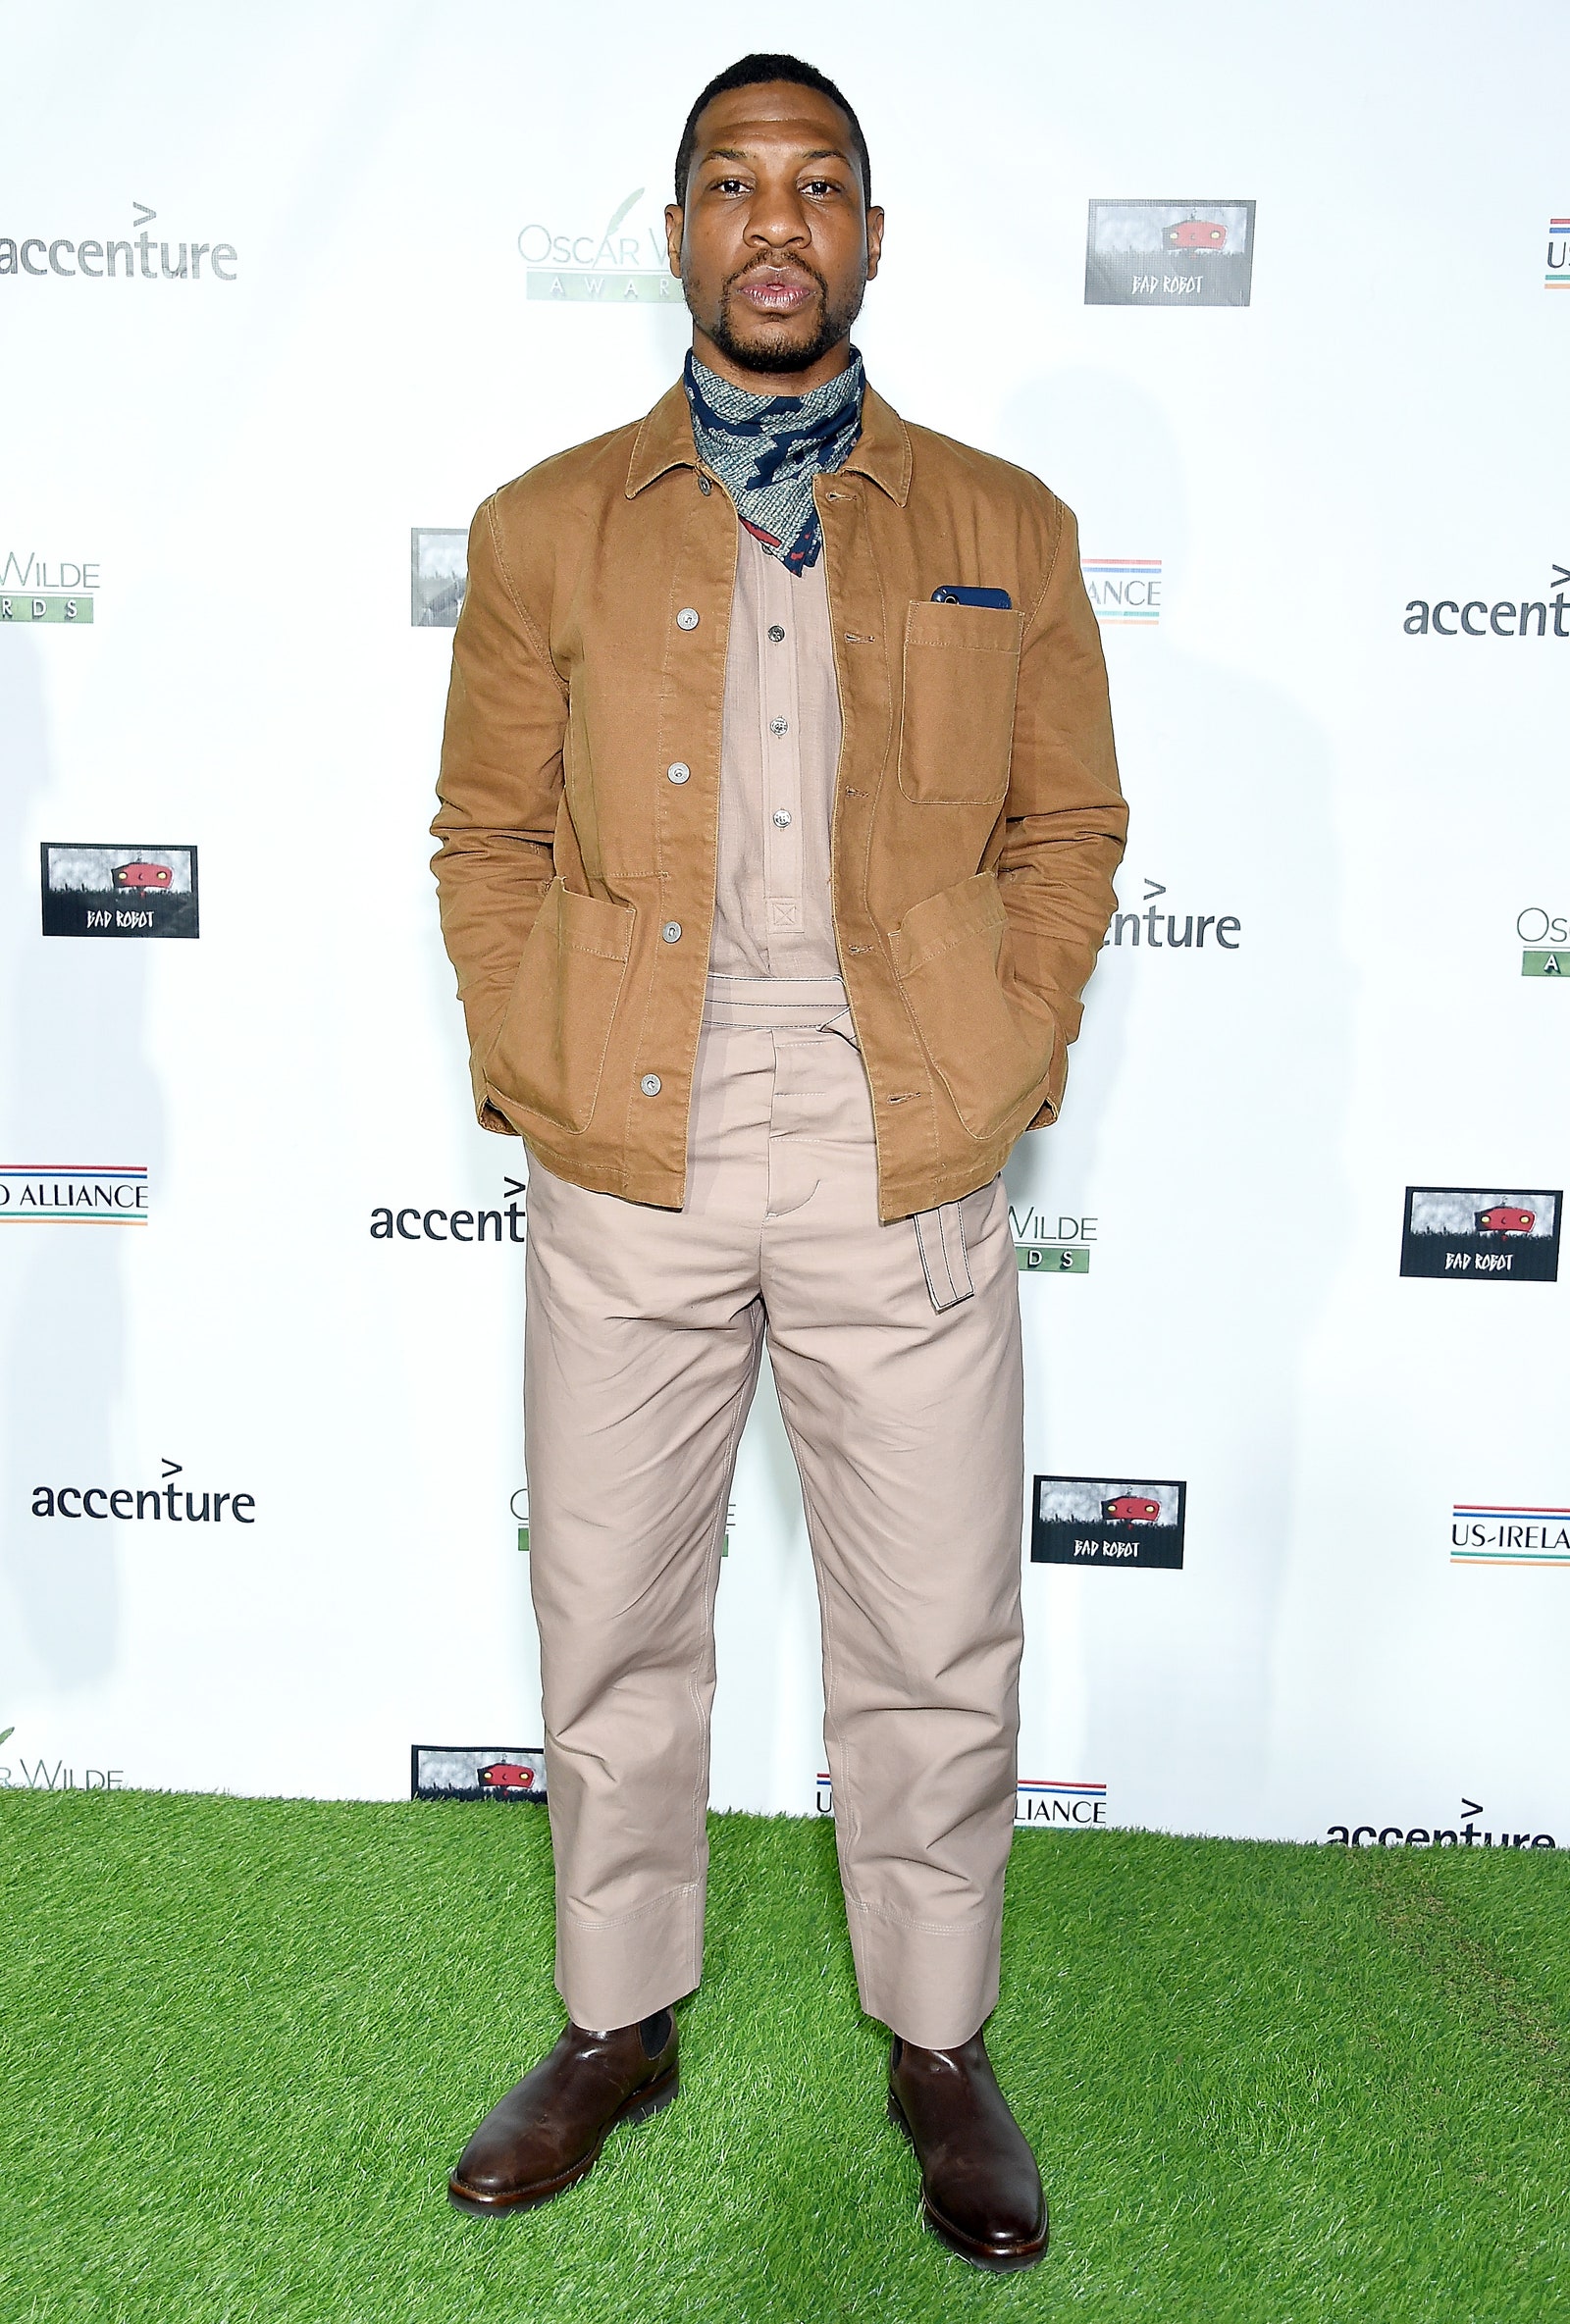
(731,185)
(821,186)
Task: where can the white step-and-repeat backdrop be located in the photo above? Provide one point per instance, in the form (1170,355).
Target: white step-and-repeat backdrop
(1278,300)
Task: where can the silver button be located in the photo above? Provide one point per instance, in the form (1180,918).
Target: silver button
(703,486)
(782,818)
(687,618)
(776,634)
(671,932)
(779,726)
(650,1085)
(677,771)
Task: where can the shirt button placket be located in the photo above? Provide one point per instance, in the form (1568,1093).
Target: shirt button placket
(782,850)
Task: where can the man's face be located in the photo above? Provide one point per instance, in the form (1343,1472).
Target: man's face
(776,245)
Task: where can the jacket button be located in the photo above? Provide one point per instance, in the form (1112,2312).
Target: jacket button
(671,932)
(704,487)
(776,634)
(779,726)
(687,618)
(677,771)
(782,818)
(650,1085)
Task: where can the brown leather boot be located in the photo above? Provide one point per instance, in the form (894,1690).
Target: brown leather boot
(981,2189)
(547,2133)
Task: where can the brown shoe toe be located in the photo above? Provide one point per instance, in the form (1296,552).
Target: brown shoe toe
(547,2133)
(980,2188)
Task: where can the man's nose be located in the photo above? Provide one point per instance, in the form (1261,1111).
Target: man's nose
(777,220)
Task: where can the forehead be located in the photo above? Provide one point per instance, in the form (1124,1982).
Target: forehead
(774,114)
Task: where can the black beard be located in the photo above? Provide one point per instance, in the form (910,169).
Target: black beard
(833,329)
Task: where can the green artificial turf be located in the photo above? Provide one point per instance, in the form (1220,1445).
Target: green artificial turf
(241,2042)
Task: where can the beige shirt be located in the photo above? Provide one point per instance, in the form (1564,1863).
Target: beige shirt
(778,759)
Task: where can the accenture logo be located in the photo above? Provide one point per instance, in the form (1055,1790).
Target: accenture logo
(1505,617)
(613,268)
(108,260)
(1164,931)
(144,1503)
(1436,1835)
(412,1224)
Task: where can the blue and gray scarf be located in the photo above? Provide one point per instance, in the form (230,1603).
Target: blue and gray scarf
(767,450)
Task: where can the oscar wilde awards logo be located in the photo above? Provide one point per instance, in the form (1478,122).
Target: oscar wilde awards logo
(1505,617)
(159,1504)
(1499,1533)
(133,890)
(1107,1521)
(1425,1835)
(1125,592)
(41,1776)
(1164,933)
(109,260)
(1545,937)
(415,1225)
(1488,1233)
(72,1194)
(477,1770)
(1169,254)
(439,575)
(615,268)
(1058,1244)
(1558,277)
(33,589)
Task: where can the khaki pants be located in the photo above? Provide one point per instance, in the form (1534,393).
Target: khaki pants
(901,1392)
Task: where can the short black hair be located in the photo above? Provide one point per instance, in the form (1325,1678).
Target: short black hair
(750,72)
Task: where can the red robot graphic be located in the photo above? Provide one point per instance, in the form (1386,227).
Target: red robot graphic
(506,1775)
(1503,1220)
(145,876)
(1196,233)
(1130,1509)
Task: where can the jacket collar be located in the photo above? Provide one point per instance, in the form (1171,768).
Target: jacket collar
(665,440)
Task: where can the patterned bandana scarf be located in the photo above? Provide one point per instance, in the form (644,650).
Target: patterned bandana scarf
(767,450)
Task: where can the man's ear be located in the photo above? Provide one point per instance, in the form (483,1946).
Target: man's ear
(874,238)
(673,225)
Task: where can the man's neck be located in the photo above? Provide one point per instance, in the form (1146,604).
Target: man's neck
(772,383)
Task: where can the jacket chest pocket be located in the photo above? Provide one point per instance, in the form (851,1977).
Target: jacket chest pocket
(961,673)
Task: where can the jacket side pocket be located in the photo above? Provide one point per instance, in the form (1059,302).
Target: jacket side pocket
(550,1052)
(991,1058)
(962,674)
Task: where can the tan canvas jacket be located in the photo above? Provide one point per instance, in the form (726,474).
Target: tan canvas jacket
(977,817)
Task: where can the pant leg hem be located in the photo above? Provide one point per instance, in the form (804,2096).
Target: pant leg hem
(613,1972)
(933,1984)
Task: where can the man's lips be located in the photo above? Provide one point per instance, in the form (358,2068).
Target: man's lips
(776,291)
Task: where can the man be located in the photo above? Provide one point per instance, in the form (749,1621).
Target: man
(779,813)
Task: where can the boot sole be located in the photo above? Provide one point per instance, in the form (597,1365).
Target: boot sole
(643,2104)
(984,2255)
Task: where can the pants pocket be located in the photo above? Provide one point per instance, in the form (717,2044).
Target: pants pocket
(550,1052)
